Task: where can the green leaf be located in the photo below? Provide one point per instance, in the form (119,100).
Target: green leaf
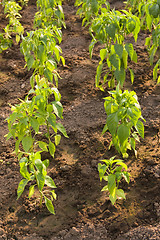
(158,81)
(111,184)
(57,139)
(115,61)
(27,143)
(17,146)
(119,50)
(126,176)
(120,76)
(149,20)
(91,46)
(49,182)
(24,171)
(40,180)
(30,62)
(131,24)
(63,60)
(140,128)
(54,194)
(49,205)
(21,187)
(57,94)
(31,191)
(102,169)
(105,129)
(58,108)
(154,10)
(46,162)
(43,146)
(52,148)
(132,75)
(152,53)
(112,122)
(133,143)
(135,137)
(51,64)
(39,165)
(18,38)
(134,57)
(111,30)
(123,133)
(61,129)
(112,199)
(105,188)
(155,70)
(120,193)
(41,53)
(125,58)
(98,73)
(103,54)
(130,50)
(32,81)
(48,74)
(94,6)
(121,164)
(148,41)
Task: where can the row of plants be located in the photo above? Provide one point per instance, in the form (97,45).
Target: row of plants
(14,28)
(33,122)
(110,29)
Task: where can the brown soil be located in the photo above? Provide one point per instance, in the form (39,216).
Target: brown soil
(82,210)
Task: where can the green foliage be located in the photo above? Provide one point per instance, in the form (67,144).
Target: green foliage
(147,11)
(24,125)
(111,28)
(123,120)
(50,14)
(112,171)
(14,27)
(36,112)
(4,42)
(153,45)
(88,9)
(32,169)
(42,53)
(149,14)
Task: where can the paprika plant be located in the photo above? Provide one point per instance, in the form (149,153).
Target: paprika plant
(112,171)
(123,120)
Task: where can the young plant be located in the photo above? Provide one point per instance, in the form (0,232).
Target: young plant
(112,171)
(42,53)
(89,9)
(50,13)
(147,11)
(111,28)
(153,45)
(37,111)
(123,120)
(14,27)
(24,126)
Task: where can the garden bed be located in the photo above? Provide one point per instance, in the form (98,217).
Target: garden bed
(82,210)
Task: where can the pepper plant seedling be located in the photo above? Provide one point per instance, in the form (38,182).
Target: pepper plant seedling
(24,126)
(112,171)
(123,120)
(89,9)
(11,10)
(111,28)
(50,13)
